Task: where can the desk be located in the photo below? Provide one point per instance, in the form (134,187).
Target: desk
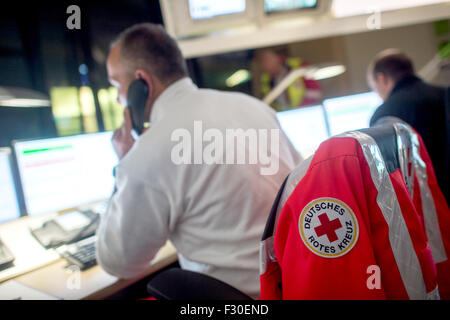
(45,271)
(94,283)
(29,254)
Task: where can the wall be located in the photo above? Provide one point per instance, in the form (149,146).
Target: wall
(418,41)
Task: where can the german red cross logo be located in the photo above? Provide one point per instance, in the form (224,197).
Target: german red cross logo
(328,227)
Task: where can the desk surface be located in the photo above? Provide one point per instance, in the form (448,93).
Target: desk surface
(94,283)
(45,271)
(28,253)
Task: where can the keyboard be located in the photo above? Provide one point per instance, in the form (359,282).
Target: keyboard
(6,257)
(81,253)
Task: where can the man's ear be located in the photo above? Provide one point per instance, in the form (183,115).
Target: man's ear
(378,77)
(142,74)
(382,79)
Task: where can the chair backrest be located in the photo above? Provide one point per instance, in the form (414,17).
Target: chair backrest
(364,181)
(403,136)
(418,175)
(428,199)
(179,284)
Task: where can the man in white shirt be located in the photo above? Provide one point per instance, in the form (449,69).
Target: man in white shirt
(183,179)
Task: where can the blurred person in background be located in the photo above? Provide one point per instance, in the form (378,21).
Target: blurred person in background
(276,65)
(422,105)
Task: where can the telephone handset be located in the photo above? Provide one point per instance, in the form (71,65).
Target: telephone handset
(138,92)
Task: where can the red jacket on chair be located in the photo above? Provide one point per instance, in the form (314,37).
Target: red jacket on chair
(432,208)
(347,228)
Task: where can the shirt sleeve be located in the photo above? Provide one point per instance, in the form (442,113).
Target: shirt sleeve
(133,228)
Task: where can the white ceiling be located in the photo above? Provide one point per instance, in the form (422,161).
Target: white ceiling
(348,16)
(346,8)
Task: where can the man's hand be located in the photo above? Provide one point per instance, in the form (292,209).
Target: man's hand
(122,139)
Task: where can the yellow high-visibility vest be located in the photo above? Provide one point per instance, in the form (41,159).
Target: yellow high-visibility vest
(296,91)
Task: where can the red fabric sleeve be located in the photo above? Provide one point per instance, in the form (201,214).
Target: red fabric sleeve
(443,214)
(270,283)
(312,275)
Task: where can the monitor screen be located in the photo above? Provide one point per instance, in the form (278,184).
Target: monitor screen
(305,127)
(9,207)
(205,9)
(351,112)
(288,5)
(65,172)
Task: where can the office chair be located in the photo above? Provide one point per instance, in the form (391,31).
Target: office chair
(398,150)
(179,284)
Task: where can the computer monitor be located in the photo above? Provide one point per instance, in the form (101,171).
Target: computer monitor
(305,127)
(62,173)
(271,6)
(276,12)
(351,112)
(187,18)
(205,9)
(9,206)
(192,18)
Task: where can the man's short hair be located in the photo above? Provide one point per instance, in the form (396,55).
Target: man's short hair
(148,46)
(393,63)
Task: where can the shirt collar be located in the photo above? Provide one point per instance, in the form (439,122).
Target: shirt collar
(169,96)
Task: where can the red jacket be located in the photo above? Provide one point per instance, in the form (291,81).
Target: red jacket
(348,221)
(431,207)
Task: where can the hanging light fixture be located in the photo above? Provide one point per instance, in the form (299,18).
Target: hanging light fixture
(237,78)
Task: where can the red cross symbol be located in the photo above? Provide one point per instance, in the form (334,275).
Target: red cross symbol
(328,227)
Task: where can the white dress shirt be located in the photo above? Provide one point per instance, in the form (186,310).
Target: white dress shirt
(214,214)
